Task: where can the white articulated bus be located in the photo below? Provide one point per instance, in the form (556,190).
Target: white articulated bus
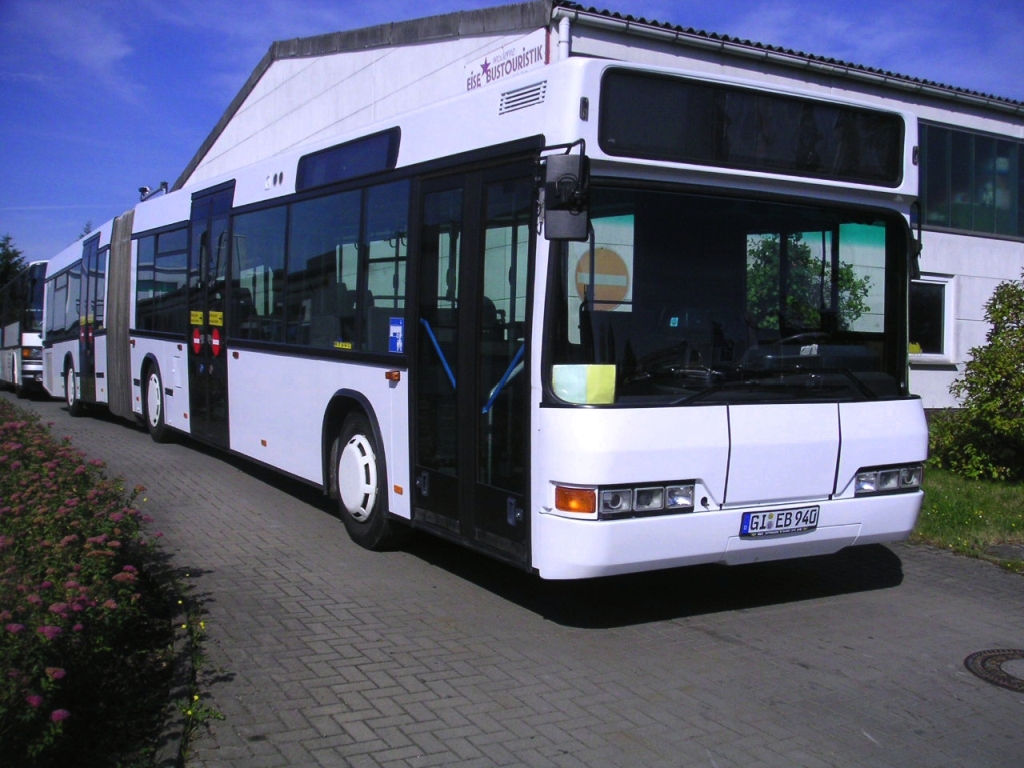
(21,314)
(641,319)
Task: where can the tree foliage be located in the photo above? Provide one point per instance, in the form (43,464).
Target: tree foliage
(11,261)
(809,291)
(985,437)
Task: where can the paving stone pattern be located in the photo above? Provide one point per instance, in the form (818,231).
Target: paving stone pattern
(322,654)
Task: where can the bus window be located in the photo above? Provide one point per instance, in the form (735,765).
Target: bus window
(322,270)
(387,225)
(162,270)
(257,289)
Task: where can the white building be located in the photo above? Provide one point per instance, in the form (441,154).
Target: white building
(971,150)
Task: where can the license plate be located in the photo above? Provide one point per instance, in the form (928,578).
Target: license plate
(779,521)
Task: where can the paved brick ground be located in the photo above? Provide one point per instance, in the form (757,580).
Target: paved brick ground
(322,654)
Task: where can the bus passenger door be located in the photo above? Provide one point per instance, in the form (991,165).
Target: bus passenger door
(470,395)
(87,323)
(207,280)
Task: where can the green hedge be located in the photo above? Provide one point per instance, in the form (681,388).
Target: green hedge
(985,437)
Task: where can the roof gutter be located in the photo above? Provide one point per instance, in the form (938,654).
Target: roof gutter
(781,58)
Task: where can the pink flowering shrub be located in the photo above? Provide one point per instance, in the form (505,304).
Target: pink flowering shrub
(72,602)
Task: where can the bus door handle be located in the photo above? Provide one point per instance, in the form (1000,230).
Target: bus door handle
(514,368)
(437,348)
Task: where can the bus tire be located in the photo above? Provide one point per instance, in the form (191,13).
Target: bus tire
(360,478)
(153,405)
(75,407)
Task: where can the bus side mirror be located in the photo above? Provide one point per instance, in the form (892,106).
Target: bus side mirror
(566,197)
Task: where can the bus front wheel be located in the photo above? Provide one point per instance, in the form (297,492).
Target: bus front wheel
(360,478)
(71,392)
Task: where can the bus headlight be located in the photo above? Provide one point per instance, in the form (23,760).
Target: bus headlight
(647,500)
(616,502)
(31,353)
(679,497)
(888,480)
(626,501)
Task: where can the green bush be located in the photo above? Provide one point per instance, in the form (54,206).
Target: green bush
(985,437)
(76,610)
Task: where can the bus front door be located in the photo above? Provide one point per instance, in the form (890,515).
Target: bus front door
(207,356)
(470,396)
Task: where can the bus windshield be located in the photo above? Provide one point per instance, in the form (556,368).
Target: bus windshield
(690,299)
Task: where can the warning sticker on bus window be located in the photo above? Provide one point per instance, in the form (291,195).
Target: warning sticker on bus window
(396,335)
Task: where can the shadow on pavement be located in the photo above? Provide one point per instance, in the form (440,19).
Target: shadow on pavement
(618,601)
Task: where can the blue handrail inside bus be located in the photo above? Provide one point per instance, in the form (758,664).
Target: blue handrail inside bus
(509,373)
(440,354)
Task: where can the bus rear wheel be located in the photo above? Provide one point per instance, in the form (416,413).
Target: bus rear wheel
(75,407)
(360,478)
(153,406)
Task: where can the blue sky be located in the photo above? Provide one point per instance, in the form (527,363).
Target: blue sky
(100,97)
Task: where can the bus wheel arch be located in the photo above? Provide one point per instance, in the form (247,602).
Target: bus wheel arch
(153,401)
(357,474)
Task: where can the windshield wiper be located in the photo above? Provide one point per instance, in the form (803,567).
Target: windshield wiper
(811,384)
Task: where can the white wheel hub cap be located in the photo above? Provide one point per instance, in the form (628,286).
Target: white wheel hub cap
(153,400)
(357,477)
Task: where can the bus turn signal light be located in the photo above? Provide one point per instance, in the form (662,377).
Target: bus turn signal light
(580,501)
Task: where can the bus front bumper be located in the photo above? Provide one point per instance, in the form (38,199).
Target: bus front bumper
(564,548)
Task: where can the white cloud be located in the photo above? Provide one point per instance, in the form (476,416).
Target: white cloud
(57,42)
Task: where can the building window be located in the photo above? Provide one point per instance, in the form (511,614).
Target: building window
(971,182)
(931,312)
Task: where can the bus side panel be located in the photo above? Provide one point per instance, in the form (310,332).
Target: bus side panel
(270,420)
(7,358)
(54,362)
(7,353)
(170,356)
(50,377)
(101,368)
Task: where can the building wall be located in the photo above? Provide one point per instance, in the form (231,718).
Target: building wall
(970,267)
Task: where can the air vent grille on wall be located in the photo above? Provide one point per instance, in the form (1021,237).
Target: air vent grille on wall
(524,97)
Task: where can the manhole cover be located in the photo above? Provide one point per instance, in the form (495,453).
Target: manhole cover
(988,665)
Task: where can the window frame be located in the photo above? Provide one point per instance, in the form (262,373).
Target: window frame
(948,354)
(970,174)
